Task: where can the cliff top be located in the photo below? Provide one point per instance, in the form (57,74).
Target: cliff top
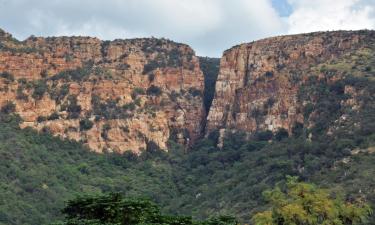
(301,38)
(146,43)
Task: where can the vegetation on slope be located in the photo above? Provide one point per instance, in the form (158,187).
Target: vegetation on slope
(114,209)
(40,172)
(303,203)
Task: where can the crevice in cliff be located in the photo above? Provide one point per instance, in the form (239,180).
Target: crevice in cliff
(247,70)
(210,68)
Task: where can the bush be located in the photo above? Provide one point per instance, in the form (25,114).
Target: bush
(264,135)
(269,103)
(151,77)
(8,76)
(195,92)
(40,88)
(44,74)
(130,106)
(59,94)
(54,116)
(77,74)
(105,129)
(85,124)
(297,129)
(20,94)
(268,74)
(41,119)
(114,209)
(154,90)
(307,110)
(281,134)
(73,108)
(137,91)
(8,108)
(152,65)
(304,202)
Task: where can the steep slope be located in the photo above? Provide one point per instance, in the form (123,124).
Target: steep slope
(262,85)
(112,95)
(324,101)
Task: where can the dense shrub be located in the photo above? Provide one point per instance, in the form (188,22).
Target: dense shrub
(151,77)
(77,74)
(297,129)
(85,124)
(8,76)
(137,91)
(41,119)
(58,94)
(268,74)
(73,108)
(40,88)
(109,109)
(195,92)
(264,135)
(20,94)
(114,209)
(130,106)
(152,65)
(53,116)
(8,107)
(281,134)
(106,127)
(154,90)
(269,103)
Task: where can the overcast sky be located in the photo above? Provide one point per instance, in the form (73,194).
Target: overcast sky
(209,26)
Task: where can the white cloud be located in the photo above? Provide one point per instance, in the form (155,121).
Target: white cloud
(323,15)
(209,26)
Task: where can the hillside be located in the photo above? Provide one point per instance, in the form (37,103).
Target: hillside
(300,105)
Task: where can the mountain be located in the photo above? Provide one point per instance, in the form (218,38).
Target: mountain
(300,105)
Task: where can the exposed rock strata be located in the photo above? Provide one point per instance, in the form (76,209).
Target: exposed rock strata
(135,92)
(258,82)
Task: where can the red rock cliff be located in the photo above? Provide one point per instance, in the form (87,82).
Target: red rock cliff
(116,95)
(258,82)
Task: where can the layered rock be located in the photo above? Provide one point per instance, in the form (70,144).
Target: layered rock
(112,95)
(258,84)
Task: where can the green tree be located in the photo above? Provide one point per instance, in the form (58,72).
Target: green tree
(114,209)
(305,204)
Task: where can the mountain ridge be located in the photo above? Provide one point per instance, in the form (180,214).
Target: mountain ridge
(156,77)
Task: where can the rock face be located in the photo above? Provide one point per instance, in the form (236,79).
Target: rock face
(258,84)
(136,94)
(112,95)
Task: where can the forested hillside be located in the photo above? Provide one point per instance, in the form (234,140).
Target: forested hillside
(40,172)
(299,105)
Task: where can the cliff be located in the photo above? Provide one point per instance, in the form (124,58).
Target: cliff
(138,93)
(264,85)
(111,95)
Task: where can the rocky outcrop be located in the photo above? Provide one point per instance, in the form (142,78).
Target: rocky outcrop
(134,94)
(259,83)
(111,95)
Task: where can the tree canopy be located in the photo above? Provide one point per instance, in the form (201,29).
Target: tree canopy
(114,209)
(305,204)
